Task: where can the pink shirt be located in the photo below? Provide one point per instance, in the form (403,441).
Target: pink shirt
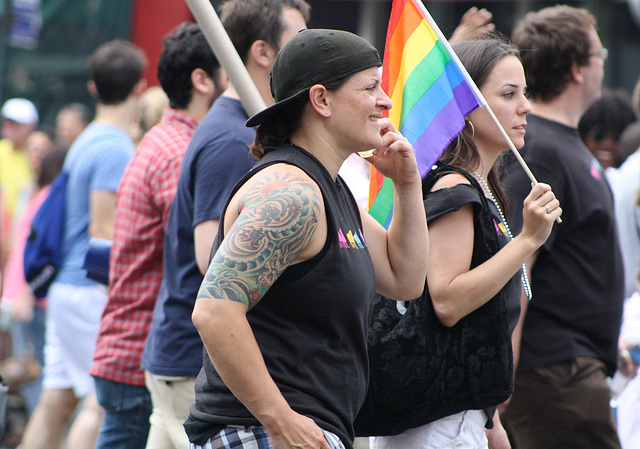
(14,281)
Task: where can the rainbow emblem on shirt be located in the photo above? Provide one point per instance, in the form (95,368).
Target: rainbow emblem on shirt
(596,169)
(500,229)
(351,240)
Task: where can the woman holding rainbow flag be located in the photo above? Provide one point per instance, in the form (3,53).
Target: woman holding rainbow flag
(473,287)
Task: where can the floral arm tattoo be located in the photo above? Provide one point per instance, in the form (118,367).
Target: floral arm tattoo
(277,219)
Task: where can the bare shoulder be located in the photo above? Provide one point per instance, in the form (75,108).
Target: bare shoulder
(449,180)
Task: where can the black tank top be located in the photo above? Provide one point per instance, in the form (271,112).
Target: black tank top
(311,325)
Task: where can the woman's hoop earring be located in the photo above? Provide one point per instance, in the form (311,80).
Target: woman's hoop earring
(473,129)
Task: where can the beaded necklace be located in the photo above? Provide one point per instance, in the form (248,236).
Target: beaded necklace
(525,278)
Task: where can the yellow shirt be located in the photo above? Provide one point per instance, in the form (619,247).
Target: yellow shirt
(15,174)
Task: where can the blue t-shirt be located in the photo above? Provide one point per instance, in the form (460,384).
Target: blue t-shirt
(215,160)
(95,161)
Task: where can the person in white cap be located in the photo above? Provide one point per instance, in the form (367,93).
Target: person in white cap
(19,119)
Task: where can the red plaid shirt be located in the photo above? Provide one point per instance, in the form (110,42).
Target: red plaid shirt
(143,201)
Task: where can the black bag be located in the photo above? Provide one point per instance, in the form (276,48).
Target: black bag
(420,370)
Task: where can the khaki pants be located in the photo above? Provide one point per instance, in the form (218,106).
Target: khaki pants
(562,406)
(171,401)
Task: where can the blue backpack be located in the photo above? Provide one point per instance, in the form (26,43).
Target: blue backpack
(43,250)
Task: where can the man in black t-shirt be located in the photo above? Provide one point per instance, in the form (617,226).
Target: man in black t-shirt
(570,327)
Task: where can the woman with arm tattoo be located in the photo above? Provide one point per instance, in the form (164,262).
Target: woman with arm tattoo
(283,310)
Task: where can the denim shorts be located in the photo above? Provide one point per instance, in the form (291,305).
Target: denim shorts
(252,437)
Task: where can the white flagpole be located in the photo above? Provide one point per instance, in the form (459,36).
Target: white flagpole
(476,91)
(226,53)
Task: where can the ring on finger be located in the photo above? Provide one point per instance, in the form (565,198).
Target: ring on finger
(548,209)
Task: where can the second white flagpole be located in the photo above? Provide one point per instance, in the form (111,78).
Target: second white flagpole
(226,53)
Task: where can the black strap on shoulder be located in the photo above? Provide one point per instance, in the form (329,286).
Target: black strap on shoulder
(441,169)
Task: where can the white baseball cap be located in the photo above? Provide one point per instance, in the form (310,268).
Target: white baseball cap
(20,110)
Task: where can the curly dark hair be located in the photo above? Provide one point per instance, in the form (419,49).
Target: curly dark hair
(612,112)
(609,115)
(185,49)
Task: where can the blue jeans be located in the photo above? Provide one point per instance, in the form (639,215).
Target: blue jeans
(126,420)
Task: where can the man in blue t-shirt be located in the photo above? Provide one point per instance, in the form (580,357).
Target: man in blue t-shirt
(95,163)
(215,160)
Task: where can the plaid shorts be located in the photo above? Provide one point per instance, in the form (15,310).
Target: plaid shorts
(253,437)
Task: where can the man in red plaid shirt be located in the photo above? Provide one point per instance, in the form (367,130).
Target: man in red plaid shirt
(192,78)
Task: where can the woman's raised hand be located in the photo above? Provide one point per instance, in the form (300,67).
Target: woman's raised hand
(541,209)
(394,158)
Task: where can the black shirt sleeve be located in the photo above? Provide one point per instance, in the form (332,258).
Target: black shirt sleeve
(451,199)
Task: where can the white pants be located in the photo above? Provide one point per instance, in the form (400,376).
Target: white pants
(628,415)
(171,398)
(73,321)
(464,430)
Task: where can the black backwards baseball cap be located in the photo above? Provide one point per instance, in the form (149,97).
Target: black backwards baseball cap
(311,57)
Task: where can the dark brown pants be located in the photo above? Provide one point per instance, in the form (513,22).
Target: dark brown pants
(563,406)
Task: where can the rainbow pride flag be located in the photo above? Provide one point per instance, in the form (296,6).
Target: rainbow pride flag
(430,89)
